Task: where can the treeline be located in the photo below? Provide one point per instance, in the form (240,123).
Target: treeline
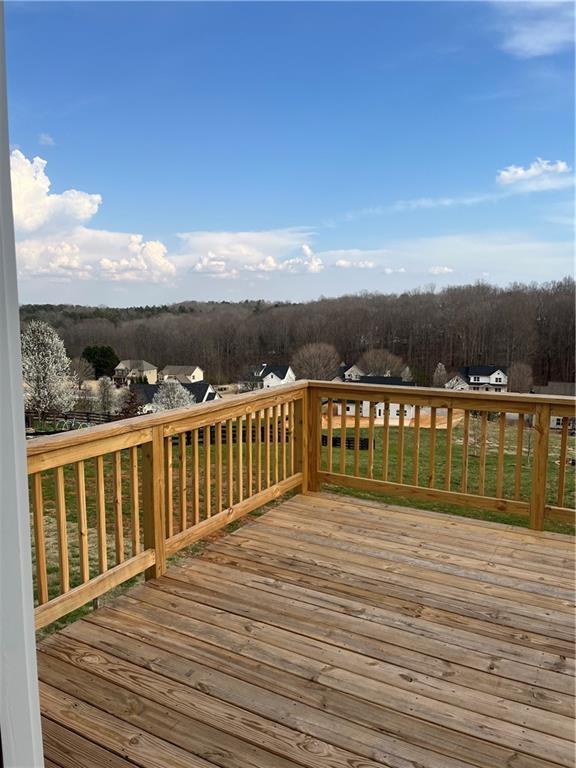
(461,325)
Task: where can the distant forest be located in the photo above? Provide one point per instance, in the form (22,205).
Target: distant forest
(462,325)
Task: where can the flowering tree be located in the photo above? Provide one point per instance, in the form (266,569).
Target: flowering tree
(171,394)
(407,374)
(49,383)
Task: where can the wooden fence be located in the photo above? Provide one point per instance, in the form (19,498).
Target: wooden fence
(114,501)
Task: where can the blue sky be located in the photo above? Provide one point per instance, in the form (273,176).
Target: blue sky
(171,151)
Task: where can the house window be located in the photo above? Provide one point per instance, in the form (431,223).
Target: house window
(498,379)
(497,389)
(476,388)
(475,378)
(398,412)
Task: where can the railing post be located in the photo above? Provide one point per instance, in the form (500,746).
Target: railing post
(539,467)
(313,448)
(301,438)
(153,482)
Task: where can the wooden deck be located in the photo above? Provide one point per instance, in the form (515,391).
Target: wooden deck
(330,632)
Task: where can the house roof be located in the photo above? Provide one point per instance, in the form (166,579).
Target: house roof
(480,370)
(201,390)
(343,368)
(277,370)
(556,388)
(138,365)
(390,381)
(178,370)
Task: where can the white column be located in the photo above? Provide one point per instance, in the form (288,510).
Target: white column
(19,708)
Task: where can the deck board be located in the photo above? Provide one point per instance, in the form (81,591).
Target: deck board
(330,632)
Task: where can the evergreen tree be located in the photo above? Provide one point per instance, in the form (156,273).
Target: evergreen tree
(102,358)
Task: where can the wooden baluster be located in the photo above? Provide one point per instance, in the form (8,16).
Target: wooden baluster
(169,487)
(371,415)
(283,440)
(432,465)
(448,470)
(465,450)
(153,499)
(250,456)
(239,460)
(329,437)
(218,467)
(416,446)
(118,521)
(540,467)
(101,515)
(483,446)
(500,465)
(400,455)
(275,442)
(343,406)
(267,446)
(183,481)
(313,446)
(195,462)
(562,465)
(519,456)
(291,429)
(207,473)
(385,441)
(230,463)
(62,530)
(135,500)
(82,522)
(39,538)
(259,451)
(357,414)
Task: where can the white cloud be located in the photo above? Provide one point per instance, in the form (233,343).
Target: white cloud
(46,140)
(53,241)
(533,29)
(361,264)
(229,254)
(540,175)
(440,270)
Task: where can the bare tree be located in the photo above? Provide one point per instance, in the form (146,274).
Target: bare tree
(381,362)
(171,394)
(440,377)
(49,385)
(520,377)
(106,395)
(83,369)
(316,361)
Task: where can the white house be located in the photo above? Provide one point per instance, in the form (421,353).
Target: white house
(348,373)
(565,388)
(274,375)
(390,381)
(201,391)
(185,374)
(480,378)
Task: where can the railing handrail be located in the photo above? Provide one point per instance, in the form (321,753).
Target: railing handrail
(447,395)
(195,414)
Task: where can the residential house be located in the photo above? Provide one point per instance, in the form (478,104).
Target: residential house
(348,373)
(185,374)
(565,388)
(202,392)
(135,371)
(384,381)
(267,376)
(480,378)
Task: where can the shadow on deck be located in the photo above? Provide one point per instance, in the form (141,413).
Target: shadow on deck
(329,632)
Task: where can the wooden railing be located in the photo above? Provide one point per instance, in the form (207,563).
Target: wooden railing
(114,501)
(475,449)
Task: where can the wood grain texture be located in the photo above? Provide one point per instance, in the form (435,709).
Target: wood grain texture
(329,633)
